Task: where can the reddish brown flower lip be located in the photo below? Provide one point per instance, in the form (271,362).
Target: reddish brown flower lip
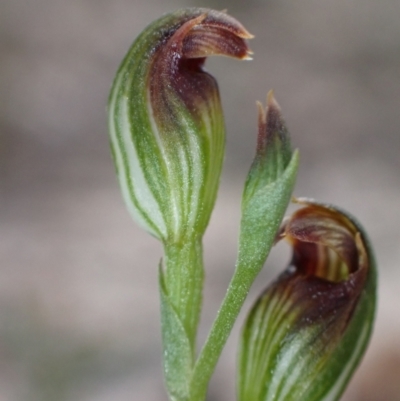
(214,33)
(330,235)
(177,66)
(329,266)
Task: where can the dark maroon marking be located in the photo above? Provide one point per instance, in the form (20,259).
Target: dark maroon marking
(176,72)
(316,299)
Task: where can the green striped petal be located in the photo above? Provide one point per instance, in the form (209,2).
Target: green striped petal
(166,123)
(307,332)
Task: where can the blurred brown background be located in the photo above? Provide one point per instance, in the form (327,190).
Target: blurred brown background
(79,318)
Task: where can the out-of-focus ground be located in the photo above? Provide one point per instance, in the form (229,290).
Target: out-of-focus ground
(78,280)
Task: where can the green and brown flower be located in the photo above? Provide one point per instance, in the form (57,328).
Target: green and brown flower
(166,123)
(307,332)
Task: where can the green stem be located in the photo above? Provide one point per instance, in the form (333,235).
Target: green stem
(184,278)
(235,296)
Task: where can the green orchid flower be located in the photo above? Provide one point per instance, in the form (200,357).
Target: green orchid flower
(307,332)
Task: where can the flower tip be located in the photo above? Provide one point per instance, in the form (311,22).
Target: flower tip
(199,19)
(241,31)
(247,35)
(272,132)
(362,251)
(260,106)
(261,116)
(271,101)
(248,57)
(302,200)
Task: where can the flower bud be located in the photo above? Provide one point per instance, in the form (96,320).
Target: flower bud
(166,124)
(306,333)
(274,151)
(268,187)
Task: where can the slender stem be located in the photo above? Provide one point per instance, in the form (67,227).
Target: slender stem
(184,278)
(222,326)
